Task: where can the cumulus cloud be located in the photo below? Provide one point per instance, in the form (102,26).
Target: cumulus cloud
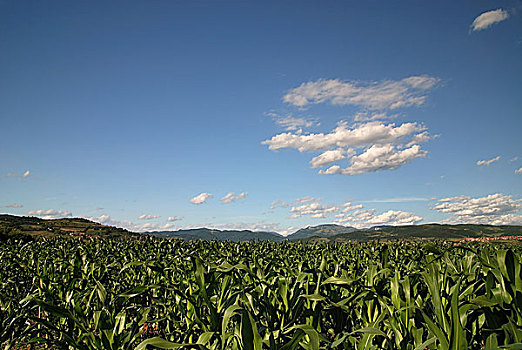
(50,213)
(518,171)
(385,94)
(24,175)
(148,217)
(494,209)
(351,214)
(200,198)
(331,156)
(348,206)
(381,146)
(14,205)
(395,218)
(343,136)
(385,157)
(314,210)
(289,122)
(488,162)
(369,217)
(174,218)
(487,19)
(231,197)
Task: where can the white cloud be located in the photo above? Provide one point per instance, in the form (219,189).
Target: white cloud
(395,218)
(514,159)
(14,205)
(334,169)
(147,217)
(50,213)
(231,197)
(487,19)
(200,198)
(368,217)
(377,157)
(313,209)
(289,122)
(494,209)
(385,157)
(174,218)
(24,175)
(359,135)
(518,171)
(385,94)
(420,138)
(488,162)
(347,207)
(328,157)
(352,214)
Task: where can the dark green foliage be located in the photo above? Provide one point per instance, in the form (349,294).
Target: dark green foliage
(168,294)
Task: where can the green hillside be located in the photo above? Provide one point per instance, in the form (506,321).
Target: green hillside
(35,227)
(429,231)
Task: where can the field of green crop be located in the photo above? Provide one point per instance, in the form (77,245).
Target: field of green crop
(168,294)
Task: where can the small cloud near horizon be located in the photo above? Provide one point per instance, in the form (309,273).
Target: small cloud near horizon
(14,205)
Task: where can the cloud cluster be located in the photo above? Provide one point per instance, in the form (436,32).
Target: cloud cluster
(487,19)
(315,210)
(148,217)
(50,213)
(385,94)
(488,162)
(494,209)
(200,198)
(231,197)
(347,213)
(384,146)
(174,218)
(368,217)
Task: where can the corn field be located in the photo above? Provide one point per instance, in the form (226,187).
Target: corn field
(171,294)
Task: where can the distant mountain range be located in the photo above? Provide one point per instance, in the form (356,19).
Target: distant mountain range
(36,227)
(338,233)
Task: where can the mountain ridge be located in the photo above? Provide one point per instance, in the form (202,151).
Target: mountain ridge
(11,225)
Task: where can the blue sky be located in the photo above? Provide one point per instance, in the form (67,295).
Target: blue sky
(268,115)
